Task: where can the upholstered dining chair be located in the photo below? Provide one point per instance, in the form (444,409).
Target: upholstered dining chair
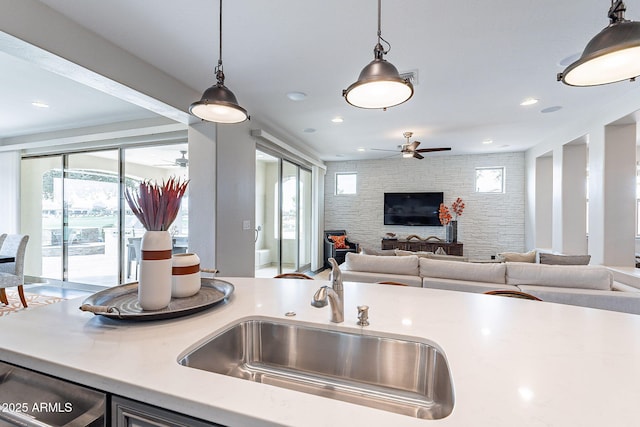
(392,283)
(2,237)
(513,294)
(12,273)
(293,276)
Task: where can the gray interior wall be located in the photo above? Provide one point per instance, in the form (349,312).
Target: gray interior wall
(235,200)
(202,192)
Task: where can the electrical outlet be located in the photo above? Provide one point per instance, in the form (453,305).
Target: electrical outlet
(246,224)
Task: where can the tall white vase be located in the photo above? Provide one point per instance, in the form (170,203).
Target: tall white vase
(154,284)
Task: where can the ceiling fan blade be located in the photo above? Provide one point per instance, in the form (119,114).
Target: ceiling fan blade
(413,145)
(430,150)
(418,155)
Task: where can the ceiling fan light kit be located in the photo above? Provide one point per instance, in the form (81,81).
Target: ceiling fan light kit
(611,56)
(379,84)
(218,104)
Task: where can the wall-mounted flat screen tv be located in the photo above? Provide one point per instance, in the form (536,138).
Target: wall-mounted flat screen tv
(419,209)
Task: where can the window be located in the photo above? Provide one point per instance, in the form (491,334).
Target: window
(490,180)
(346,183)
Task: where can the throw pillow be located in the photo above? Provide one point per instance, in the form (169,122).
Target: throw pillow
(339,242)
(518,257)
(564,259)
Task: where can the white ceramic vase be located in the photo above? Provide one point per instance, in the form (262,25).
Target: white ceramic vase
(185,280)
(154,284)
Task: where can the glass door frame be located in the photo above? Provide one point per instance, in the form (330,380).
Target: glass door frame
(279,199)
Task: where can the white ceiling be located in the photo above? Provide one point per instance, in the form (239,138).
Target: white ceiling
(476,61)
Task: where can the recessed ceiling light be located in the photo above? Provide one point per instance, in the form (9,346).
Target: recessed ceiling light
(529,101)
(40,104)
(309,130)
(337,120)
(551,109)
(296,96)
(361,149)
(488,141)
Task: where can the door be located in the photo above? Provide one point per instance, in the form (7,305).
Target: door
(283,216)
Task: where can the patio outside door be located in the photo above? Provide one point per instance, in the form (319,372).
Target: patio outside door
(283,216)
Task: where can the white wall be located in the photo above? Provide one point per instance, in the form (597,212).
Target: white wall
(10,179)
(574,199)
(611,180)
(544,202)
(620,195)
(491,223)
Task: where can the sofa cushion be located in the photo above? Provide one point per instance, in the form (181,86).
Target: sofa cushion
(382,264)
(517,256)
(562,276)
(626,302)
(419,254)
(448,257)
(555,259)
(431,255)
(366,277)
(488,273)
(464,285)
(373,251)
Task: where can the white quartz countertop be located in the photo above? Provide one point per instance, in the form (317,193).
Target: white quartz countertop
(513,362)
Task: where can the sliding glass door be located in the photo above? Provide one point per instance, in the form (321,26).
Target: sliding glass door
(90,217)
(80,228)
(283,216)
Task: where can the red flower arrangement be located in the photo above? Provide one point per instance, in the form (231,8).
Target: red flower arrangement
(457,207)
(156,206)
(445,215)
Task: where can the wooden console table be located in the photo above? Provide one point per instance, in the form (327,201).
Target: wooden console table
(421,245)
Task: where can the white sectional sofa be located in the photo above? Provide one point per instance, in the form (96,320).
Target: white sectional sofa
(582,285)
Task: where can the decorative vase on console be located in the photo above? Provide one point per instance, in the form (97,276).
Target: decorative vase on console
(450,223)
(156,207)
(451,230)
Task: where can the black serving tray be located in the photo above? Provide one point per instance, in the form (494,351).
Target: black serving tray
(121,302)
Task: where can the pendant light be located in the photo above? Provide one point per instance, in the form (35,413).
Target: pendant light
(611,56)
(218,103)
(379,84)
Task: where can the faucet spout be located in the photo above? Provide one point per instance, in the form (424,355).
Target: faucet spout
(333,295)
(326,295)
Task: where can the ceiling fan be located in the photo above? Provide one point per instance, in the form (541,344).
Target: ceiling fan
(410,149)
(182,162)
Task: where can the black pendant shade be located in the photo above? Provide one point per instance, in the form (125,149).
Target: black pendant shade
(611,56)
(218,104)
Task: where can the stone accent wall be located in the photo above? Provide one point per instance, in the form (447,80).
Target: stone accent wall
(491,223)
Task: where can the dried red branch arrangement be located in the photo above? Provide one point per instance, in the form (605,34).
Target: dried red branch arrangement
(156,205)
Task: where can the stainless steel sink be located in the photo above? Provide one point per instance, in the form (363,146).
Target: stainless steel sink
(397,375)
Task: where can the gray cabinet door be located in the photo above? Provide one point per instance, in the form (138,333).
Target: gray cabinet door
(129,413)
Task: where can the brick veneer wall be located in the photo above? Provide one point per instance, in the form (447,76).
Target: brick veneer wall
(491,223)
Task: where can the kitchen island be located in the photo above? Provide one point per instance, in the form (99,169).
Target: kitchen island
(513,362)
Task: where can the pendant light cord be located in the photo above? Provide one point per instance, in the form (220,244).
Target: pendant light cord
(218,70)
(220,29)
(380,38)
